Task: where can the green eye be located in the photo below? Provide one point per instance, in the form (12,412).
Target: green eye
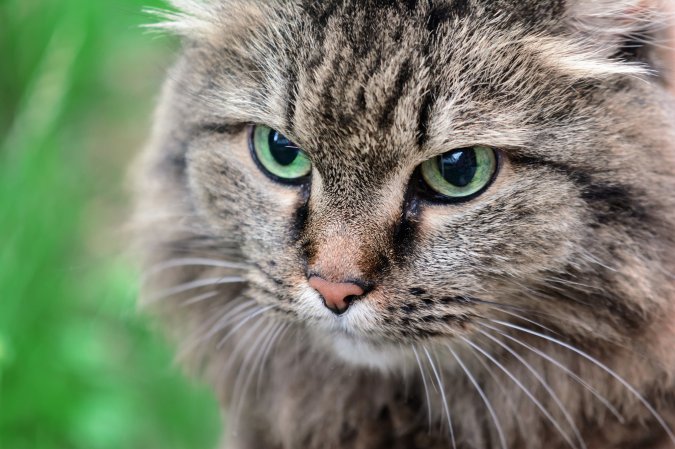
(278,157)
(460,174)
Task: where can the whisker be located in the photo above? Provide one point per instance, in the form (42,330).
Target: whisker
(483,396)
(524,389)
(182,288)
(191,262)
(249,363)
(565,369)
(424,382)
(242,344)
(266,351)
(497,381)
(504,309)
(602,366)
(199,298)
(230,313)
(446,409)
(544,384)
(241,323)
(268,334)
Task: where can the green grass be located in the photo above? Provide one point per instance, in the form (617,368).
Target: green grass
(79,367)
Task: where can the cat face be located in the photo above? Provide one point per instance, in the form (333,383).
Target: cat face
(396,172)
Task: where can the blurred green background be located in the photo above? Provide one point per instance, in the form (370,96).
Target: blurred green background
(80,368)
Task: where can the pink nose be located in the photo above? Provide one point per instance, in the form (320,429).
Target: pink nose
(336,296)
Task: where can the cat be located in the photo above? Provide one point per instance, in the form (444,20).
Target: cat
(419,223)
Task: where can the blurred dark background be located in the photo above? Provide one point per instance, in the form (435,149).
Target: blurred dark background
(80,367)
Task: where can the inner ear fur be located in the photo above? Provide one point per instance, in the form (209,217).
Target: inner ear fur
(636,31)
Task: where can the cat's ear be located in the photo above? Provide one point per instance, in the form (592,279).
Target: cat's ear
(634,31)
(212,21)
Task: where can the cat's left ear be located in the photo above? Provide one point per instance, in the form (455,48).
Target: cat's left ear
(634,31)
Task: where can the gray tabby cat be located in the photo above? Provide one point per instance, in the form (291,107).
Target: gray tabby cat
(419,223)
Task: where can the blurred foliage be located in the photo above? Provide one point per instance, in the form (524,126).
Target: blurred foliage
(79,366)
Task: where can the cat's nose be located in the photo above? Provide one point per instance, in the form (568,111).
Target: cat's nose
(337,296)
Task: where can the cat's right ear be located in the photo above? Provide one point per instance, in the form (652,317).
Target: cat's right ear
(634,31)
(221,22)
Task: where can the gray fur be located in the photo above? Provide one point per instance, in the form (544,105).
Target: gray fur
(576,234)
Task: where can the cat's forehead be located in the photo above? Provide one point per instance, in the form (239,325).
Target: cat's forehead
(359,84)
(370,79)
(372,82)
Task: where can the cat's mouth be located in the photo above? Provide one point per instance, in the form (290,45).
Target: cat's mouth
(353,336)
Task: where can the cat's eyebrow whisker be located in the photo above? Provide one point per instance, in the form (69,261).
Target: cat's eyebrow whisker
(602,366)
(486,401)
(537,375)
(192,285)
(424,383)
(441,387)
(190,262)
(524,389)
(565,369)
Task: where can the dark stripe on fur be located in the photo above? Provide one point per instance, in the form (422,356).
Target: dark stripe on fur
(405,231)
(440,14)
(292,96)
(424,117)
(618,202)
(402,78)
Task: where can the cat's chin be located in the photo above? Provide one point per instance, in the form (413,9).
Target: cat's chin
(363,352)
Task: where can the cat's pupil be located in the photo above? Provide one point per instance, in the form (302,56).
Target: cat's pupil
(283,150)
(458,167)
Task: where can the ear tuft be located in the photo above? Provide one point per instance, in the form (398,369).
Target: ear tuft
(626,31)
(620,22)
(193,19)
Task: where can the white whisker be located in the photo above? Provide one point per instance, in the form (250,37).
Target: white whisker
(241,323)
(230,313)
(199,283)
(488,369)
(602,366)
(242,345)
(483,396)
(521,317)
(544,384)
(191,262)
(565,369)
(278,335)
(524,389)
(424,382)
(441,387)
(199,298)
(249,363)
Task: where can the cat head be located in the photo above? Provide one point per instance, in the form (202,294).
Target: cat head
(385,173)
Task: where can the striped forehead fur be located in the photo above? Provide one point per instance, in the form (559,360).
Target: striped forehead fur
(598,28)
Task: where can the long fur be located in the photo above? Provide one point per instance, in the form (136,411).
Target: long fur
(537,315)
